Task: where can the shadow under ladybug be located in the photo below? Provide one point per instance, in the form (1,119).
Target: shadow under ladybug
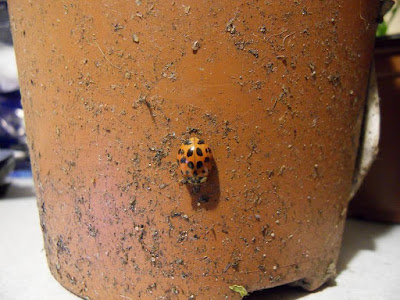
(207,194)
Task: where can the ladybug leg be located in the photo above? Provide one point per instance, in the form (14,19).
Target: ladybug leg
(203,179)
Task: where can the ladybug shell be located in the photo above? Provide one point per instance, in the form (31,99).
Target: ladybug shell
(194,160)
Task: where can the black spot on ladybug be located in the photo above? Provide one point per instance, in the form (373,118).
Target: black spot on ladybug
(187,142)
(187,172)
(190,152)
(207,159)
(183,160)
(199,152)
(199,164)
(195,173)
(204,171)
(200,142)
(209,150)
(190,165)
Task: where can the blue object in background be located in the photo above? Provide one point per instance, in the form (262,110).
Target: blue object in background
(12,128)
(12,134)
(13,147)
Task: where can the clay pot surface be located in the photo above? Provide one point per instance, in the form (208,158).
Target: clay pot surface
(111,89)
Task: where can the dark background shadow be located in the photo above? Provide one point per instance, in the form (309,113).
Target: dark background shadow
(358,235)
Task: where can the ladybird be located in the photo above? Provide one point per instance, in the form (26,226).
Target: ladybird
(194,160)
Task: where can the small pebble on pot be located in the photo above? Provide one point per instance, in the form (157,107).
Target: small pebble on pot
(135,38)
(196,46)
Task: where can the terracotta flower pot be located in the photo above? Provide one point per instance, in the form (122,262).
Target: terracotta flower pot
(110,91)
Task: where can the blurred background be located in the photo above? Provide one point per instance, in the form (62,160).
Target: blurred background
(379,196)
(14,158)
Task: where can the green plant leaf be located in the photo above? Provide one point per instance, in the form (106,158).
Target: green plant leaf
(239,289)
(382,29)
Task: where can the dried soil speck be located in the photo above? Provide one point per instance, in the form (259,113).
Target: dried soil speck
(230,27)
(254,52)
